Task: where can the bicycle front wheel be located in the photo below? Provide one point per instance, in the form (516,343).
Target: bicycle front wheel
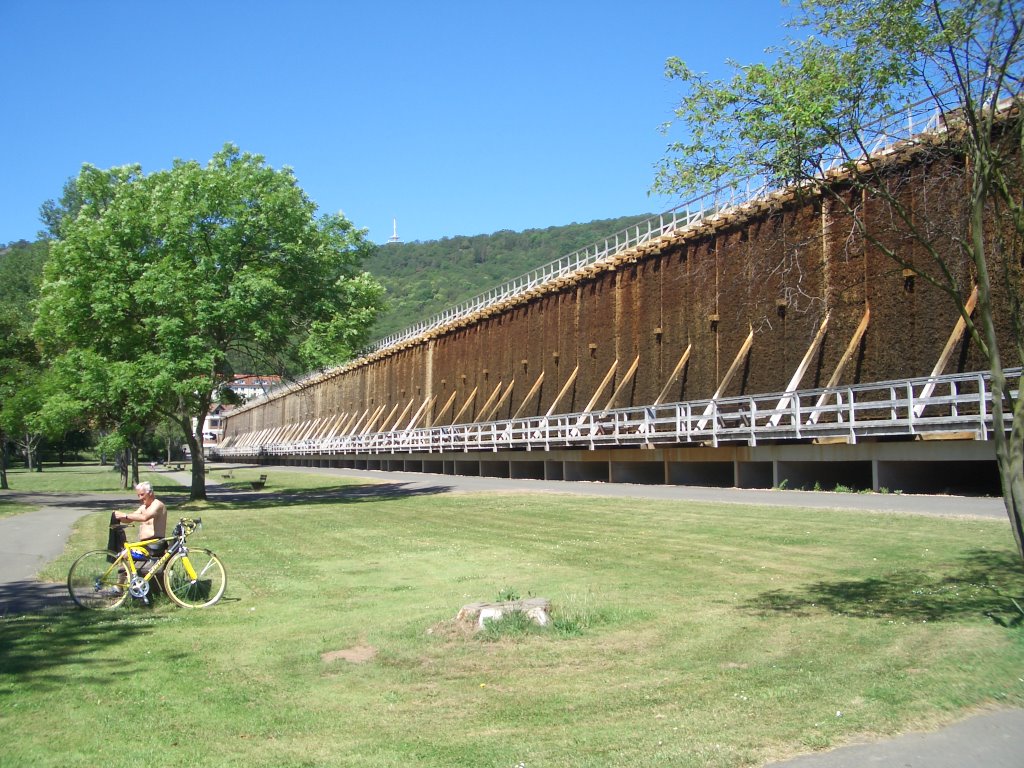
(195,579)
(98,580)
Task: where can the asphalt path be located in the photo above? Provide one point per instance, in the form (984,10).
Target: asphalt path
(992,739)
(945,506)
(30,540)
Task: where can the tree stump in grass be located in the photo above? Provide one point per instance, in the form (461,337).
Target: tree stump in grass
(538,609)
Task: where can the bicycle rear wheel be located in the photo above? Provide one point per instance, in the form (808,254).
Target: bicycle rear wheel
(205,589)
(97,583)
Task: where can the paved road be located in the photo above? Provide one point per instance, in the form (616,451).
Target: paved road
(31,540)
(992,740)
(947,506)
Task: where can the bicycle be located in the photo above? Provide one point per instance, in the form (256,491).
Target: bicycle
(192,577)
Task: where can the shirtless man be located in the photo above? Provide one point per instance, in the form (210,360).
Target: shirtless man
(151,514)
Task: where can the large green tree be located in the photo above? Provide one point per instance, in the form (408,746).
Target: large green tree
(19,375)
(172,275)
(22,379)
(812,116)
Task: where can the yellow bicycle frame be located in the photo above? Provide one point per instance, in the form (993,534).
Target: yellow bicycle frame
(140,546)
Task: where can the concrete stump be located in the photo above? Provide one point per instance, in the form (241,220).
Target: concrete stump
(538,609)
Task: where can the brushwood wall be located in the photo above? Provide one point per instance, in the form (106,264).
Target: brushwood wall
(614,334)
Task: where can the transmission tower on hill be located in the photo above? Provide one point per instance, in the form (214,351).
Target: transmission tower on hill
(394,236)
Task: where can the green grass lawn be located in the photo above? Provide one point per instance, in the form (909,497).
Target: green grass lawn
(686,635)
(69,478)
(87,478)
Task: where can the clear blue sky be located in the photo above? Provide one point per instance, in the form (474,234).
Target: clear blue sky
(456,118)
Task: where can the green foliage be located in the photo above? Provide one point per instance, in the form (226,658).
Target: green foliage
(862,62)
(21,272)
(423,279)
(156,284)
(507,594)
(826,101)
(203,261)
(21,372)
(23,385)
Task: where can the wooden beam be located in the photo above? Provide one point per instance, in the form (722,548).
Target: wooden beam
(418,416)
(336,427)
(529,396)
(462,410)
(600,387)
(382,424)
(318,433)
(310,431)
(674,375)
(851,350)
(736,363)
(275,435)
(394,424)
(480,415)
(489,416)
(447,405)
(947,351)
(353,422)
(371,423)
(624,383)
(565,388)
(794,383)
(293,431)
(329,426)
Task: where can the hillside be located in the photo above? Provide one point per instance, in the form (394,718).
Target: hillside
(421,278)
(424,278)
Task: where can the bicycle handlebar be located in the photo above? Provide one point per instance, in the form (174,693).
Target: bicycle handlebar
(188,525)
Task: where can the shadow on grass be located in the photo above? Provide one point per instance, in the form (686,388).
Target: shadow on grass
(89,500)
(982,584)
(38,649)
(229,494)
(335,494)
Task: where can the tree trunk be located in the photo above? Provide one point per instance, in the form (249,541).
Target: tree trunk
(195,447)
(1009,447)
(134,455)
(1012,474)
(3,463)
(1010,457)
(122,468)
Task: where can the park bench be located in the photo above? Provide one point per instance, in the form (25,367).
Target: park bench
(257,485)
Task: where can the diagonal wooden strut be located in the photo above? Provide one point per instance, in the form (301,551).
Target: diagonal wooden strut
(851,350)
(794,383)
(565,388)
(624,383)
(947,351)
(674,375)
(740,357)
(529,396)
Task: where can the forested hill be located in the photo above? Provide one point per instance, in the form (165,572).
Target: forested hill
(425,278)
(422,278)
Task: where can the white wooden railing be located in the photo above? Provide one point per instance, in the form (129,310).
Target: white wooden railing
(954,405)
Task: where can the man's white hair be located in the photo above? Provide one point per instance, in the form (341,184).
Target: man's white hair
(145,487)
